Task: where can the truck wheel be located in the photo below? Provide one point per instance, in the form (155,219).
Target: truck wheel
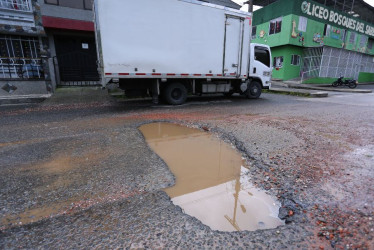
(175,94)
(254,90)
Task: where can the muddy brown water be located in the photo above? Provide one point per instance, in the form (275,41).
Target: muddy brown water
(212,182)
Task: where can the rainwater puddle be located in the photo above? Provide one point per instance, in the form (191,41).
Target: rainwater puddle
(211,183)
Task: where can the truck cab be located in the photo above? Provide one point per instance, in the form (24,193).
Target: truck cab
(260,66)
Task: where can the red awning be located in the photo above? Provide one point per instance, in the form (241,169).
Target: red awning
(67,24)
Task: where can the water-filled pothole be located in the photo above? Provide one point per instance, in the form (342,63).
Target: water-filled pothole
(212,184)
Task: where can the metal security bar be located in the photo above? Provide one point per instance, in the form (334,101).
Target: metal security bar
(340,62)
(19,58)
(334,62)
(20,5)
(312,58)
(77,69)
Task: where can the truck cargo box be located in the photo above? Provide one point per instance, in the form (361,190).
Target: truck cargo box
(171,39)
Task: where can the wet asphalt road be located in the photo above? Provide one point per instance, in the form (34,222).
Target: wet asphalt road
(78,173)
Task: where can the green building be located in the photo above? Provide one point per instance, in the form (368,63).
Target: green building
(315,43)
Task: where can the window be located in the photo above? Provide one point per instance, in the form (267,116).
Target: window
(363,41)
(295,60)
(327,29)
(352,37)
(370,43)
(275,26)
(303,22)
(343,35)
(278,62)
(76,4)
(262,55)
(19,57)
(254,31)
(22,5)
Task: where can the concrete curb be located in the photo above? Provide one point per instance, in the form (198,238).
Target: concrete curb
(332,89)
(324,87)
(23,99)
(299,91)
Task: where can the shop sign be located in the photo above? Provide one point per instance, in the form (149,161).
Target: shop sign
(320,12)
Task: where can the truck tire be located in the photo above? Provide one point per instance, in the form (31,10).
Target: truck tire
(175,94)
(254,90)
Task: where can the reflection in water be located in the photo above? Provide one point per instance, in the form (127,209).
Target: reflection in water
(211,182)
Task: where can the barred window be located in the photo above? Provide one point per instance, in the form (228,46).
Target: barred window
(295,60)
(20,5)
(20,57)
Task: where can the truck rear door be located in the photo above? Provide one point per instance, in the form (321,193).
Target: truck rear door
(233,46)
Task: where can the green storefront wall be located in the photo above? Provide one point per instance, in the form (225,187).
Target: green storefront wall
(291,41)
(278,39)
(312,37)
(366,77)
(286,7)
(288,71)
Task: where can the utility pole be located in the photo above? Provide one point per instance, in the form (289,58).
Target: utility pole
(250,5)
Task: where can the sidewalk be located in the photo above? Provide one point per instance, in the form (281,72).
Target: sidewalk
(311,90)
(68,95)
(23,99)
(324,87)
(283,88)
(74,95)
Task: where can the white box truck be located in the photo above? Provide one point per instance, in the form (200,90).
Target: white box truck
(173,48)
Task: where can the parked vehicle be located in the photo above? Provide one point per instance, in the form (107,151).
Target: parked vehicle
(172,48)
(351,83)
(30,71)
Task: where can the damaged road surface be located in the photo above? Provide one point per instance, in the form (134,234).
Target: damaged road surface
(83,175)
(212,180)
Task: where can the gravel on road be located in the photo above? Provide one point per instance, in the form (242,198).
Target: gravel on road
(81,175)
